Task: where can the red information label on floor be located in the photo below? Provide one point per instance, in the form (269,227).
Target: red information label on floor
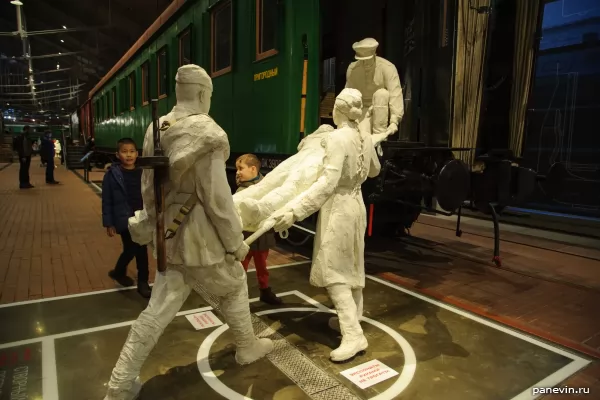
(369,373)
(203,320)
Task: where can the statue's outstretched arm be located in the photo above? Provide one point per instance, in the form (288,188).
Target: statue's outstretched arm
(311,200)
(374,165)
(394,87)
(213,190)
(148,176)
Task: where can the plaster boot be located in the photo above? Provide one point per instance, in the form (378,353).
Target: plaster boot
(125,394)
(169,294)
(353,339)
(236,309)
(357,294)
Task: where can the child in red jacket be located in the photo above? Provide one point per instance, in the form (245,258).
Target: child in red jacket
(248,174)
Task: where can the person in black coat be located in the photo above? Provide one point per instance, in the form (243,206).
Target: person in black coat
(23,146)
(121,197)
(47,154)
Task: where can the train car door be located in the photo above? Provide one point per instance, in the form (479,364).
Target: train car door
(416,36)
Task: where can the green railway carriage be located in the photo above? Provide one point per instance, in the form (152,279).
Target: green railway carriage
(257,73)
(277,66)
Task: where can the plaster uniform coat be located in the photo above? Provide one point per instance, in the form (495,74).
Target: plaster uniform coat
(290,178)
(383,76)
(339,242)
(197,149)
(266,241)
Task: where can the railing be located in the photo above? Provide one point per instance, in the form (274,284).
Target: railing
(86,166)
(65,155)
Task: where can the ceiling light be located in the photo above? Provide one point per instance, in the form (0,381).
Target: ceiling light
(62,41)
(59,53)
(33,119)
(64,27)
(16,3)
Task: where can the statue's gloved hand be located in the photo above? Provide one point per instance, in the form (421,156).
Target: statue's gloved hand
(283,221)
(241,252)
(392,128)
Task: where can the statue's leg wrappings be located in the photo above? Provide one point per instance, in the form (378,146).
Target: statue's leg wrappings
(357,295)
(168,295)
(228,285)
(381,111)
(353,339)
(236,310)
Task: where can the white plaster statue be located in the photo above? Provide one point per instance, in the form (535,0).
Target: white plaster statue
(378,81)
(338,254)
(294,175)
(209,244)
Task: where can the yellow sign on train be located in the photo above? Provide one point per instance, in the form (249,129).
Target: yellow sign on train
(266,74)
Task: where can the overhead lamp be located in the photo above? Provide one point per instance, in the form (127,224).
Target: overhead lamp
(62,41)
(33,119)
(59,53)
(64,27)
(16,3)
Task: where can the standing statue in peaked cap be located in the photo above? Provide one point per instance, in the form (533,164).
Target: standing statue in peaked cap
(208,244)
(378,81)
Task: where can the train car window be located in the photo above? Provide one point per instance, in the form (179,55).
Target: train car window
(145,83)
(113,95)
(221,39)
(185,47)
(162,72)
(131,91)
(266,28)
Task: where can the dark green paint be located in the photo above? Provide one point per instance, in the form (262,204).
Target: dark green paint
(259,116)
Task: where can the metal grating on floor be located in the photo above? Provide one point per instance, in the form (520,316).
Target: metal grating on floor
(315,382)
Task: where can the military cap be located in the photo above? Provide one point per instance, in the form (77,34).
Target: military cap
(191,73)
(365,49)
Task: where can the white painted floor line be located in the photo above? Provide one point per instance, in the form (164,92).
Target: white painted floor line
(71,296)
(98,188)
(312,301)
(115,325)
(480,320)
(552,380)
(49,375)
(68,296)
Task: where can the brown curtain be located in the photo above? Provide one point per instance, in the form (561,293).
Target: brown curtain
(468,85)
(526,24)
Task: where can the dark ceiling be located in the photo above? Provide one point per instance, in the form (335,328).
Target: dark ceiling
(97,34)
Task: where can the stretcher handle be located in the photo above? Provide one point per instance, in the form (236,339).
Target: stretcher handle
(264,227)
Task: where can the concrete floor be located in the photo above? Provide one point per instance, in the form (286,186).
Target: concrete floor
(65,348)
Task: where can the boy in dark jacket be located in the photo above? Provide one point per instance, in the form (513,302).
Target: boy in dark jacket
(121,197)
(248,174)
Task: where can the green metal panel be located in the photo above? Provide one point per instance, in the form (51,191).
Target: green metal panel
(257,103)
